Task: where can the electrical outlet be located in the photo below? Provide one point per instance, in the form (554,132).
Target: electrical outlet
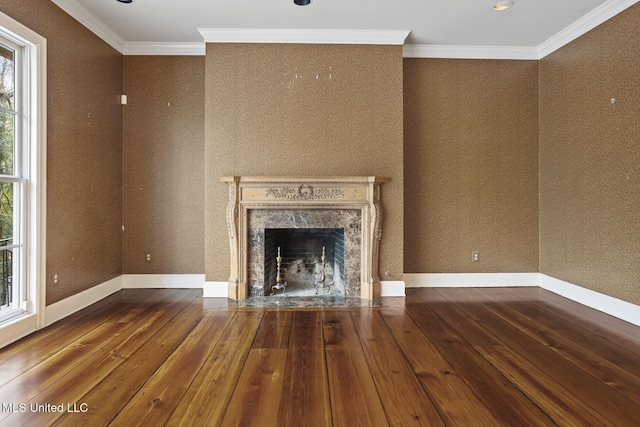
(148,257)
(55,279)
(475,256)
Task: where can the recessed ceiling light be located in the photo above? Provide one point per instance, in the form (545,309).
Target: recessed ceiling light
(302,2)
(125,1)
(503,5)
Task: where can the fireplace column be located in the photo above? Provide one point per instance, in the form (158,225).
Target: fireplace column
(236,289)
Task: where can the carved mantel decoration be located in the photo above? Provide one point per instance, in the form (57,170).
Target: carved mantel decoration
(249,194)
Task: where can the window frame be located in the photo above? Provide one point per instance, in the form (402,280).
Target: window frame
(32,134)
(18,180)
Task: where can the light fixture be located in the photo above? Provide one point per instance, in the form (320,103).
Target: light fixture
(503,5)
(302,2)
(125,1)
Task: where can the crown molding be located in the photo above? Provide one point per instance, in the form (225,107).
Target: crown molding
(470,52)
(384,37)
(303,36)
(180,49)
(93,23)
(597,16)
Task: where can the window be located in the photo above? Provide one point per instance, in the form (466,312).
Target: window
(22,179)
(11,181)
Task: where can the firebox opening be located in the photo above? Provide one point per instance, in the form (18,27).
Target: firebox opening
(301,264)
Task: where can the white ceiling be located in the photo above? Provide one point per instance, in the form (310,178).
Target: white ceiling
(458,26)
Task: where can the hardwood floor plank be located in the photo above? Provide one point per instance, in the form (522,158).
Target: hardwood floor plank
(255,400)
(58,365)
(274,330)
(620,379)
(455,401)
(587,388)
(92,371)
(602,339)
(562,406)
(354,399)
(206,400)
(402,396)
(106,399)
(497,393)
(156,400)
(33,349)
(458,357)
(41,376)
(466,328)
(615,326)
(305,390)
(121,299)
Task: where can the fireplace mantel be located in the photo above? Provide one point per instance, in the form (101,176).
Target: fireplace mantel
(304,193)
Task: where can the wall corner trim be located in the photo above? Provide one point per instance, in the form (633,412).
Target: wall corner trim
(66,307)
(597,16)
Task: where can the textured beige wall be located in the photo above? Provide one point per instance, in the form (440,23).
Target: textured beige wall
(590,159)
(84,155)
(262,120)
(163,165)
(471,165)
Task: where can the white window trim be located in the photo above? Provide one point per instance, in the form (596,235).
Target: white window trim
(35,79)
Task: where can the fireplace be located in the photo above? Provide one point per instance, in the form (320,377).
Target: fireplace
(309,261)
(304,230)
(301,217)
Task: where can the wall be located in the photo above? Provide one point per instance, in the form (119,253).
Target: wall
(471,165)
(590,159)
(262,120)
(163,165)
(84,156)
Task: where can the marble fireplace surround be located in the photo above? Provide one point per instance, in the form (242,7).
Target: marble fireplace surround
(309,202)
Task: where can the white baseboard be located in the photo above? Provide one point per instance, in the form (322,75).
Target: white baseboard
(61,309)
(215,290)
(151,281)
(601,302)
(392,288)
(68,306)
(18,328)
(470,280)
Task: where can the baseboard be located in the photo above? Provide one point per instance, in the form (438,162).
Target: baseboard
(601,302)
(392,288)
(68,306)
(470,280)
(152,281)
(15,329)
(215,290)
(61,309)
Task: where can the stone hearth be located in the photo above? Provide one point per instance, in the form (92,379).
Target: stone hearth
(260,203)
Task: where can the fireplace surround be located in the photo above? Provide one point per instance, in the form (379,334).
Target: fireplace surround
(257,204)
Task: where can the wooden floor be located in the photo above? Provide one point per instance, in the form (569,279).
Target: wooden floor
(457,357)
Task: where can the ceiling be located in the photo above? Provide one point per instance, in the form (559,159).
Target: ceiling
(460,26)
